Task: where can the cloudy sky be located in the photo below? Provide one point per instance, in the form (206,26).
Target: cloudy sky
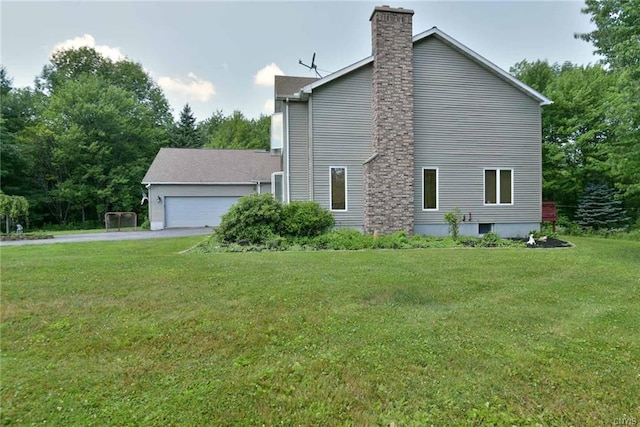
(223,55)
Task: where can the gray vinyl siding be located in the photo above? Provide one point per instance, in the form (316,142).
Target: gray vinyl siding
(278,106)
(341,136)
(299,150)
(467,119)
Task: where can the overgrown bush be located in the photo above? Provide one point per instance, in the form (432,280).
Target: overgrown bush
(343,239)
(255,219)
(350,239)
(566,226)
(305,219)
(397,240)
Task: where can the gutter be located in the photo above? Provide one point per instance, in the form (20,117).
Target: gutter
(207,183)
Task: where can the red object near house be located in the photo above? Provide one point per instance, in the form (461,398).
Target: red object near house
(549,213)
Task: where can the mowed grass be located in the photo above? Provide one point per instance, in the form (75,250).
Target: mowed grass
(135,333)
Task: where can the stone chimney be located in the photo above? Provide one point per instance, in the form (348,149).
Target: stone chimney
(388,173)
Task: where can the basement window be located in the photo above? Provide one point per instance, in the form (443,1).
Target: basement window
(485,228)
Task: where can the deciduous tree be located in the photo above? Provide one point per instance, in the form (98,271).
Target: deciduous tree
(100,126)
(577,134)
(617,33)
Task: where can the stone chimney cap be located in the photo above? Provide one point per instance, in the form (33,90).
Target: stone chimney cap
(386,8)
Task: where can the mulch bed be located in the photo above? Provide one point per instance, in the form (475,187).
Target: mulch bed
(550,243)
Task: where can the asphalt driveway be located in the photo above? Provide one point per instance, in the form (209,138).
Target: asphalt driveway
(113,235)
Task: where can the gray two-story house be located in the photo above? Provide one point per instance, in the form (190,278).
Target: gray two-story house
(420,127)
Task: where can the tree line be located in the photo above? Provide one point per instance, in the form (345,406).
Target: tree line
(79,142)
(591,132)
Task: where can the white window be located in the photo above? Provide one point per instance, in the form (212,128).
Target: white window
(338,188)
(277,132)
(498,186)
(277,186)
(429,189)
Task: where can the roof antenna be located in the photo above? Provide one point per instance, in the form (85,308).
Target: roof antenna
(313,65)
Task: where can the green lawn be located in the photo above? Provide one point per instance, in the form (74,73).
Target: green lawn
(134,333)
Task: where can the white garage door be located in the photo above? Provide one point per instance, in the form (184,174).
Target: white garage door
(195,211)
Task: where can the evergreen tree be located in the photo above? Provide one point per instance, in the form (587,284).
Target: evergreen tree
(185,134)
(599,209)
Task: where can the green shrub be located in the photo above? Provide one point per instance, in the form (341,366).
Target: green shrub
(343,239)
(491,239)
(255,219)
(566,226)
(305,219)
(397,240)
(146,225)
(546,229)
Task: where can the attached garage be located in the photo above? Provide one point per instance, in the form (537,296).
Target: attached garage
(195,187)
(195,211)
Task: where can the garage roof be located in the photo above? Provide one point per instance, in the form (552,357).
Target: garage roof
(211,166)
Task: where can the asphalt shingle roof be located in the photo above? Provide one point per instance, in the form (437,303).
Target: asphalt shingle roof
(289,85)
(206,165)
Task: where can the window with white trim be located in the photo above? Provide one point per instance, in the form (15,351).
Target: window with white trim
(429,189)
(498,186)
(338,188)
(277,132)
(277,186)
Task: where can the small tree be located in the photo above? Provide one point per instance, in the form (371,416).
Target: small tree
(454,219)
(599,209)
(12,208)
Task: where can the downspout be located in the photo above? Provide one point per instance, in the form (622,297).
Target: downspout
(286,112)
(310,147)
(258,187)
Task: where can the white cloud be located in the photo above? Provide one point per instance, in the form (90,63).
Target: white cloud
(194,88)
(264,77)
(87,40)
(267,108)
